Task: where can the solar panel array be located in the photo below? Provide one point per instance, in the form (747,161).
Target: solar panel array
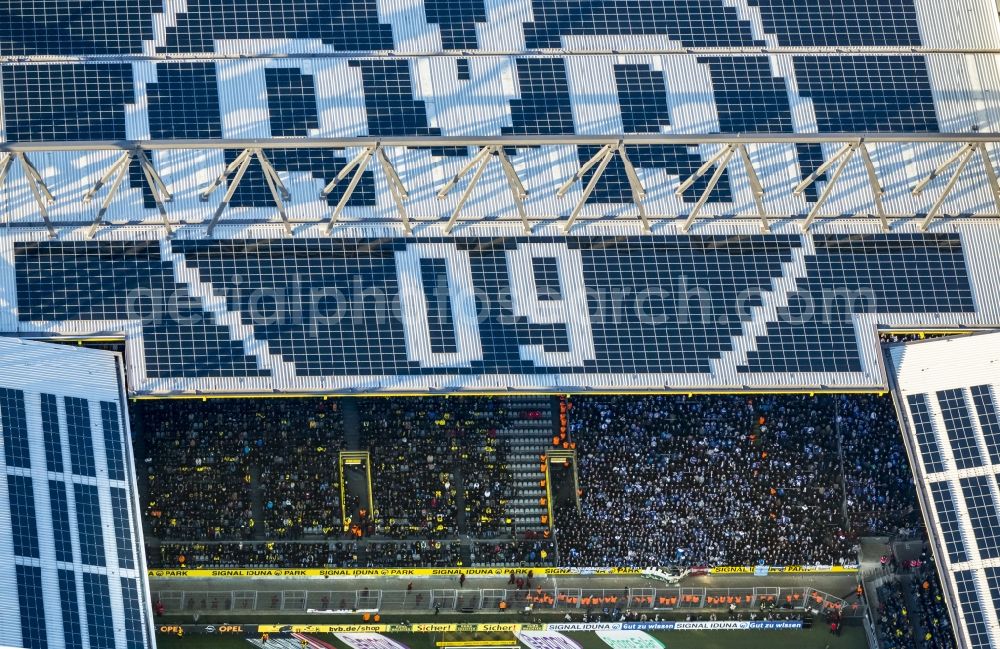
(331,79)
(947,391)
(71,535)
(545,311)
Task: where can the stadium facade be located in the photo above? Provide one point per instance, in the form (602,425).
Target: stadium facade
(389,196)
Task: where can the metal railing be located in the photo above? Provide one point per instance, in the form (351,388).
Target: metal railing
(488,600)
(852,146)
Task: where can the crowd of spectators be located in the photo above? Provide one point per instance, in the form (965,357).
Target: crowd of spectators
(417,445)
(202,458)
(197,468)
(723,480)
(931,611)
(483,457)
(895,628)
(414,446)
(535,552)
(303,554)
(299,473)
(664,480)
(881,498)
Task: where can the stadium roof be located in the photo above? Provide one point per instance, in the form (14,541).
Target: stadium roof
(373,310)
(406,122)
(71,553)
(400,96)
(947,391)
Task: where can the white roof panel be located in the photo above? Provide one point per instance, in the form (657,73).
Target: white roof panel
(947,391)
(71,551)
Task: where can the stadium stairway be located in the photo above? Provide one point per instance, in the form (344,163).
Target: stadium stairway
(352,424)
(256,500)
(528,435)
(906,581)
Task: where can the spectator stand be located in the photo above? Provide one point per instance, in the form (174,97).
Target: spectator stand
(471,464)
(658,474)
(528,433)
(241,470)
(907,602)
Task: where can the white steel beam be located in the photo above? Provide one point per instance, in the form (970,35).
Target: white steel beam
(360,163)
(39,189)
(723,162)
(635,184)
(396,187)
(484,157)
(755,187)
(877,190)
(608,154)
(844,156)
(119,170)
(968,150)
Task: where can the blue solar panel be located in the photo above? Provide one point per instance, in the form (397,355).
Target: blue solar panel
(694,23)
(546,273)
(31,600)
(993,580)
(89,524)
(347,25)
(24,527)
(947,515)
(883,94)
(972,610)
(118,280)
(123,530)
(884,273)
(184,101)
(70,605)
(457,20)
(840,22)
(291,101)
(700,290)
(434,277)
(97,604)
(989,423)
(15,429)
(543,106)
(113,441)
(66,102)
(923,428)
(121,26)
(372,343)
(982,508)
(81,442)
(958,423)
(50,433)
(72,27)
(389,101)
(133,621)
(59,504)
(642,98)
(390,105)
